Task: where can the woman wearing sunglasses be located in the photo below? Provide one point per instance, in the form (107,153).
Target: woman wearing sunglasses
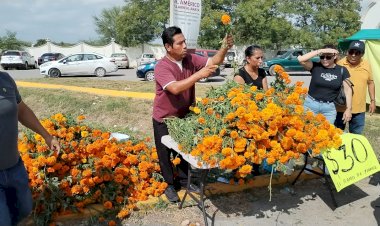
(251,74)
(326,80)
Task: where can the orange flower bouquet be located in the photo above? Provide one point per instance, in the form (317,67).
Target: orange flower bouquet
(90,169)
(236,126)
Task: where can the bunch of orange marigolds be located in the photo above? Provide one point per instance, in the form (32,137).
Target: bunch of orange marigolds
(90,168)
(237,126)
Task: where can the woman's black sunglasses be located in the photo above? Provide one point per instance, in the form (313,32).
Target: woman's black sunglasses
(325,57)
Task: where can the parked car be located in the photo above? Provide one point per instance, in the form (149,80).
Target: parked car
(79,64)
(49,57)
(288,61)
(17,59)
(121,60)
(146,58)
(146,71)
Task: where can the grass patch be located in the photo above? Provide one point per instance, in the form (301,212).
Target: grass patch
(372,131)
(126,115)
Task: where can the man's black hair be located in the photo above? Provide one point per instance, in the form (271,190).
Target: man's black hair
(168,34)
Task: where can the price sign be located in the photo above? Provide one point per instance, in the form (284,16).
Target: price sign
(353,161)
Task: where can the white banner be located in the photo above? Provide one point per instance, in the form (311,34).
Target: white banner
(186,14)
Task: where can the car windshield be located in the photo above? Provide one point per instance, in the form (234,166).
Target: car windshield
(12,53)
(118,55)
(47,54)
(148,56)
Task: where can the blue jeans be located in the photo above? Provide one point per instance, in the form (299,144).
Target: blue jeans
(16,200)
(355,125)
(325,108)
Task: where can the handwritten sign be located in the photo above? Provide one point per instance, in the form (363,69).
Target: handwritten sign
(353,161)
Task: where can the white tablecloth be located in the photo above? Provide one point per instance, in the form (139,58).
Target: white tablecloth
(168,141)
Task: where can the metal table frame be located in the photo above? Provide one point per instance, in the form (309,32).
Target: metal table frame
(323,174)
(204,170)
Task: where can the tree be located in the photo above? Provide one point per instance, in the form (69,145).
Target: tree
(9,41)
(259,22)
(319,22)
(106,23)
(40,42)
(142,21)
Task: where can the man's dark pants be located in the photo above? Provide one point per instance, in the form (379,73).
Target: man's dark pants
(160,129)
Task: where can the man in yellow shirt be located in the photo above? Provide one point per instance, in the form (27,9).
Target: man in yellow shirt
(361,77)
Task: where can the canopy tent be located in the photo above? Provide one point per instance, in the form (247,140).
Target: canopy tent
(371,37)
(364,34)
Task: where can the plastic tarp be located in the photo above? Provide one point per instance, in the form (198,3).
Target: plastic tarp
(372,55)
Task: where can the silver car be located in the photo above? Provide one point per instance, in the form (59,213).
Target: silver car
(79,64)
(17,59)
(121,60)
(146,58)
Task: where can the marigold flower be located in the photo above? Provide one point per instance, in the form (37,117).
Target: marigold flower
(107,205)
(176,161)
(226,19)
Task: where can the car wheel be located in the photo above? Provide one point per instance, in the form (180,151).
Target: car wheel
(54,73)
(5,68)
(100,72)
(271,70)
(35,65)
(149,76)
(26,66)
(203,80)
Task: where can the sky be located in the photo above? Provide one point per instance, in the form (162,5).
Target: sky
(58,20)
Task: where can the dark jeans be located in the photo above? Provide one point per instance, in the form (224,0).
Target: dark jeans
(16,200)
(355,125)
(160,130)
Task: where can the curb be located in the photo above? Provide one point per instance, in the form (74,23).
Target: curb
(107,92)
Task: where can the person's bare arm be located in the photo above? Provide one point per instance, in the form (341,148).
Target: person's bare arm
(265,84)
(239,79)
(348,92)
(218,58)
(371,92)
(27,117)
(178,87)
(305,59)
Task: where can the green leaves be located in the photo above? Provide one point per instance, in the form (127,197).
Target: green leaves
(272,24)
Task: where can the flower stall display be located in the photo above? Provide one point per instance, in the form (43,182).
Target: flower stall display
(91,168)
(236,126)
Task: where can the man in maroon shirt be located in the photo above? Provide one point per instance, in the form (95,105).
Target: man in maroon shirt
(176,75)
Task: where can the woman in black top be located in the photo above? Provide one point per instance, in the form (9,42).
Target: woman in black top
(326,80)
(251,74)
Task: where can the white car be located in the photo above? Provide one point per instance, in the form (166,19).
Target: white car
(146,58)
(79,64)
(17,59)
